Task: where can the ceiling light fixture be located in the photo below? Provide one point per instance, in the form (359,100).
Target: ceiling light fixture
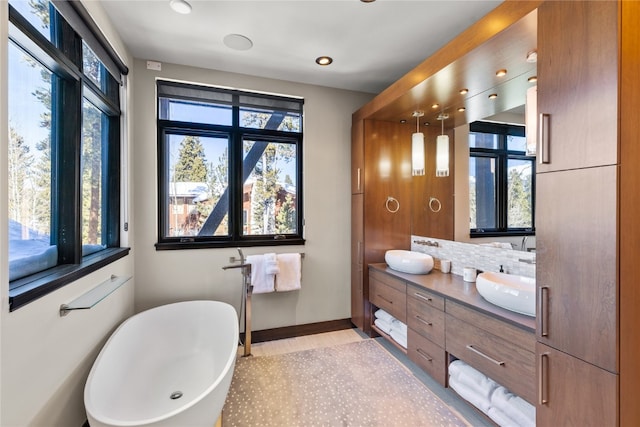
(493,96)
(532,79)
(324,60)
(461,109)
(434,106)
(237,42)
(501,73)
(417,148)
(532,56)
(180,6)
(464,91)
(442,150)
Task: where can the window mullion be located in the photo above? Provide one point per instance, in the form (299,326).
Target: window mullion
(67,184)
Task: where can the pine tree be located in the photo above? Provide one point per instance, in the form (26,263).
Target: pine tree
(20,161)
(192,162)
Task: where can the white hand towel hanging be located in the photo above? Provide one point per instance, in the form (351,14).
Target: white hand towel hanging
(290,266)
(271,263)
(261,281)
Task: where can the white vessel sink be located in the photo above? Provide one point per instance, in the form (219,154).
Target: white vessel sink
(409,261)
(510,291)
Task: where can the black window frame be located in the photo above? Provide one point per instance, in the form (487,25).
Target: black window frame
(502,155)
(236,135)
(71,24)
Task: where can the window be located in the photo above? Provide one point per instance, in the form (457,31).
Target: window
(64,148)
(501,181)
(230,170)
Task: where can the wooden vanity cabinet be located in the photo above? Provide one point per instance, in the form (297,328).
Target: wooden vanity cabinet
(426,332)
(389,294)
(503,352)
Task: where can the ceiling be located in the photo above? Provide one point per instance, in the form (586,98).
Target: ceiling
(372,44)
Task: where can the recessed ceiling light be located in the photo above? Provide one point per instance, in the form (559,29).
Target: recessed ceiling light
(501,73)
(532,56)
(532,79)
(427,123)
(461,109)
(180,6)
(493,96)
(434,106)
(324,60)
(403,121)
(237,42)
(464,91)
(367,1)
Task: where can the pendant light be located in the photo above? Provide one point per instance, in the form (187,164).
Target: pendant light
(417,148)
(442,150)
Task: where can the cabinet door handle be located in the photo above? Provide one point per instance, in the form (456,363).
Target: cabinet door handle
(543,137)
(384,299)
(544,311)
(424,355)
(489,358)
(358,186)
(420,319)
(422,297)
(543,380)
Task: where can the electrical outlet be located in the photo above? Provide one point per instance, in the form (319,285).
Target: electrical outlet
(153,65)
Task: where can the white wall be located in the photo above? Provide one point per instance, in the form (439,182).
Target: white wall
(45,358)
(172,275)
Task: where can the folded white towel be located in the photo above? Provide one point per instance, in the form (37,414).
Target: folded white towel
(500,418)
(261,281)
(515,407)
(290,272)
(472,378)
(470,395)
(271,263)
(381,314)
(399,326)
(383,325)
(399,337)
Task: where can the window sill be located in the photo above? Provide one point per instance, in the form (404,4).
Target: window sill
(23,291)
(187,244)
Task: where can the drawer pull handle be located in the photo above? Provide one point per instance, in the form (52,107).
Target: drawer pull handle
(420,319)
(384,299)
(544,311)
(422,297)
(542,379)
(424,355)
(489,358)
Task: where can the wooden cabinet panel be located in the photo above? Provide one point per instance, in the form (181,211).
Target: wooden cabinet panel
(357,157)
(387,179)
(429,356)
(499,359)
(425,297)
(425,320)
(577,263)
(357,270)
(573,392)
(578,82)
(388,296)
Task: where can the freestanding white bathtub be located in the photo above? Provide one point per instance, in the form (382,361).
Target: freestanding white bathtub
(167,366)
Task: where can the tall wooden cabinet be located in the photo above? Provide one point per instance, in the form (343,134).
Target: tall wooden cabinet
(381,203)
(587,100)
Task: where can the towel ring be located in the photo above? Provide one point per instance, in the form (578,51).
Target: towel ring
(433,201)
(392,200)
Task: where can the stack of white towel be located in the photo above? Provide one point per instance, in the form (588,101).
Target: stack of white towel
(271,272)
(391,326)
(502,406)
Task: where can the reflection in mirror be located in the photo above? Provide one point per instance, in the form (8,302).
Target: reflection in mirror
(482,159)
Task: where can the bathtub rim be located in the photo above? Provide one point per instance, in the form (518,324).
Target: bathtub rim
(230,363)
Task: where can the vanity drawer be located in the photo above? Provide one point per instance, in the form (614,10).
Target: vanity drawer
(426,320)
(426,297)
(391,298)
(427,355)
(498,358)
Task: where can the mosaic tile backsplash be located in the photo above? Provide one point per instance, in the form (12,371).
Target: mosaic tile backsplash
(480,257)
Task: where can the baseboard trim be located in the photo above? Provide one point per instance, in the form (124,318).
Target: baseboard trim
(298,330)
